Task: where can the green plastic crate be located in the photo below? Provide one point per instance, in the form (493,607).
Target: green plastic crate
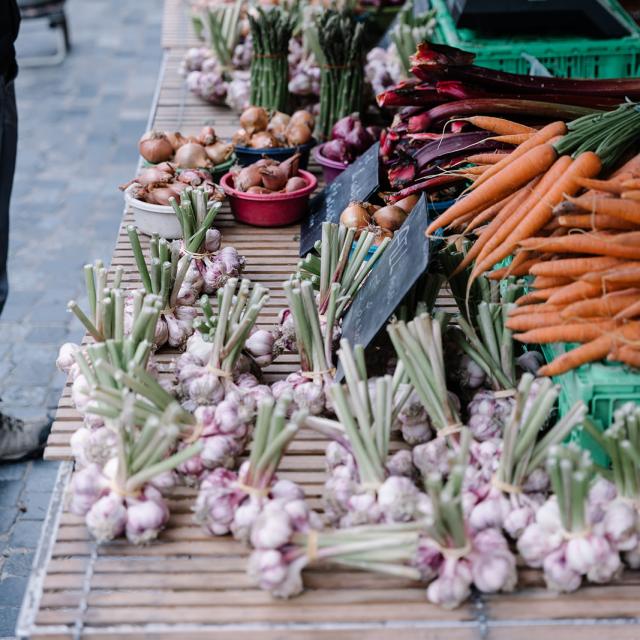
(602,386)
(565,57)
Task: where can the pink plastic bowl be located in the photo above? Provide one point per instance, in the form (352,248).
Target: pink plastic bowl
(271,210)
(331,169)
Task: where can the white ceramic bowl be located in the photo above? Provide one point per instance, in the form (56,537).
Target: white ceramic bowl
(153,218)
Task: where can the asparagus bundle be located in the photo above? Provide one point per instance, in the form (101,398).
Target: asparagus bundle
(230,501)
(211,266)
(340,38)
(120,498)
(566,539)
(271,32)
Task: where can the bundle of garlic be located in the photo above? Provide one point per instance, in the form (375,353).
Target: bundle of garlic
(510,498)
(172,281)
(362,487)
(106,313)
(568,538)
(201,242)
(230,501)
(121,497)
(620,502)
(291,542)
(455,556)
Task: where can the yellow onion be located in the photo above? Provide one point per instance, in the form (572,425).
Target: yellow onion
(407,204)
(380,234)
(274,178)
(278,120)
(207,136)
(191,156)
(355,215)
(219,151)
(263,140)
(241,138)
(254,119)
(155,147)
(248,177)
(298,133)
(176,139)
(295,184)
(303,117)
(390,217)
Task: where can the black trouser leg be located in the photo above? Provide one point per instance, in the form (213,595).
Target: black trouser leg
(8,146)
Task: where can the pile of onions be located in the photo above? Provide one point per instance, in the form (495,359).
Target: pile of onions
(384,221)
(259,130)
(191,152)
(270,176)
(349,139)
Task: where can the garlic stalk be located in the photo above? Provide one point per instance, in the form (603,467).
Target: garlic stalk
(196,215)
(418,345)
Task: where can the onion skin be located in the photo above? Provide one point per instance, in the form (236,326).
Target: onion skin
(279,121)
(207,136)
(274,178)
(155,147)
(380,234)
(303,117)
(254,119)
(241,138)
(263,140)
(355,216)
(265,162)
(337,151)
(297,134)
(219,151)
(248,177)
(295,184)
(390,217)
(291,165)
(192,156)
(176,139)
(407,204)
(342,128)
(258,190)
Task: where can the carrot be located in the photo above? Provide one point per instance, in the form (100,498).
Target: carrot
(574,332)
(492,211)
(501,126)
(617,207)
(533,321)
(521,171)
(474,171)
(609,186)
(514,138)
(573,267)
(583,291)
(625,354)
(632,311)
(595,221)
(487,158)
(535,308)
(519,200)
(589,243)
(543,282)
(520,270)
(594,350)
(625,272)
(609,305)
(538,295)
(542,137)
(585,164)
(634,194)
(632,184)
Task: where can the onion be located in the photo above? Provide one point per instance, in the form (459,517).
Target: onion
(298,133)
(278,120)
(254,119)
(161,195)
(206,136)
(390,217)
(154,146)
(358,140)
(166,166)
(240,138)
(375,132)
(248,177)
(336,150)
(380,234)
(152,176)
(295,184)
(265,162)
(291,165)
(274,178)
(343,127)
(407,204)
(191,156)
(355,216)
(263,140)
(259,190)
(219,151)
(303,117)
(176,139)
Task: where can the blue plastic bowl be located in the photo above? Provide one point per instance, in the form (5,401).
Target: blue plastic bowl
(248,155)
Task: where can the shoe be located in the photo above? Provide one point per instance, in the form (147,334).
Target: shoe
(21,438)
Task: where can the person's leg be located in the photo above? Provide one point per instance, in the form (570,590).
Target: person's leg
(8,147)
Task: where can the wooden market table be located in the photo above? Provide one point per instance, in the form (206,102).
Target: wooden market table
(191,585)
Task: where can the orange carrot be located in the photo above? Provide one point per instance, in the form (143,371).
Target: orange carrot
(586,164)
(625,272)
(608,305)
(625,354)
(501,126)
(520,270)
(538,295)
(589,243)
(514,138)
(535,308)
(487,158)
(594,350)
(632,184)
(573,267)
(542,282)
(634,194)
(609,186)
(583,291)
(474,171)
(573,332)
(521,171)
(617,207)
(632,311)
(533,321)
(491,212)
(543,136)
(595,221)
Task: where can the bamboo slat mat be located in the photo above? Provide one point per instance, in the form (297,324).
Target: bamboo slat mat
(190,585)
(177,28)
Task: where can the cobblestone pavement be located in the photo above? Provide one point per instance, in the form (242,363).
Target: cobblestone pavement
(78,125)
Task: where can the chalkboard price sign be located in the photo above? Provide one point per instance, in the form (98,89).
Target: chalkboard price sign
(359,182)
(403,262)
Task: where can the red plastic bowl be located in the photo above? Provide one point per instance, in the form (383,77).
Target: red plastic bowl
(331,169)
(270,210)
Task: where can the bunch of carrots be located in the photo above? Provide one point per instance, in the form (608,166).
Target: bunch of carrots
(579,237)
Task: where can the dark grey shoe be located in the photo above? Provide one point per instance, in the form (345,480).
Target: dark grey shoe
(21,438)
